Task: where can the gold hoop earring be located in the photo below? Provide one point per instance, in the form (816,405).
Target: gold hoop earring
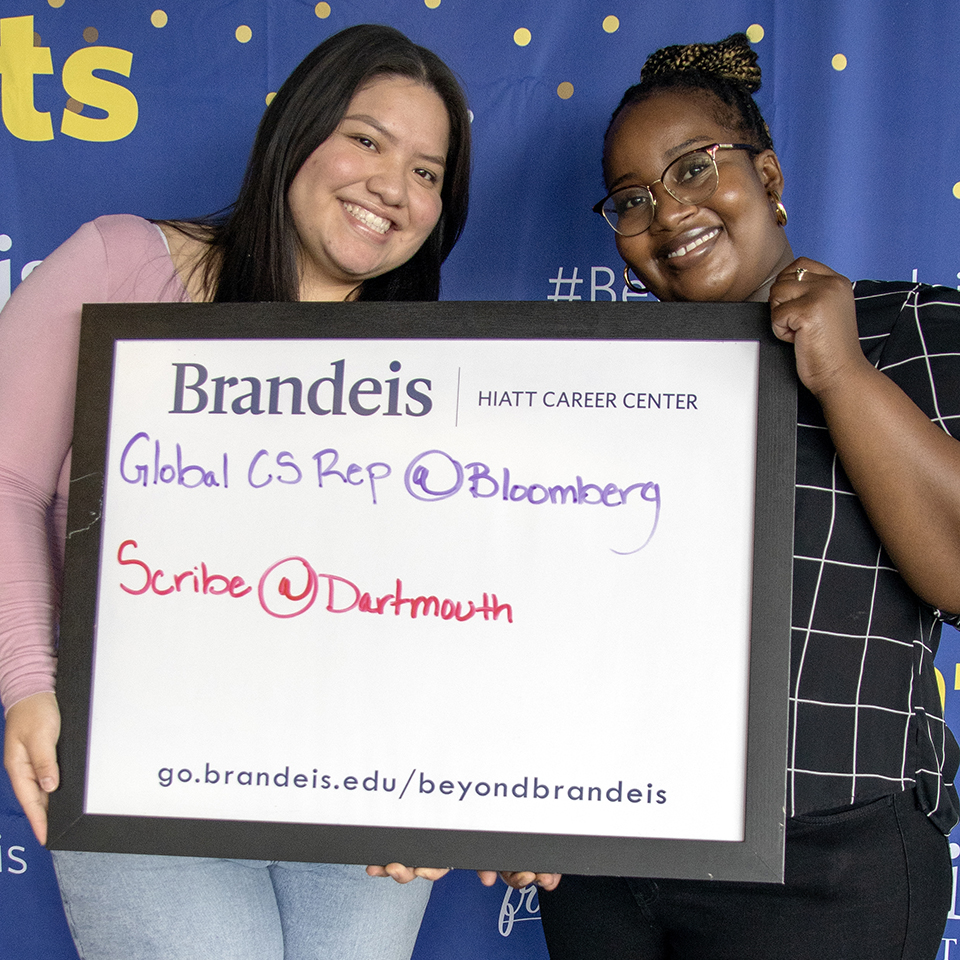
(780,210)
(635,286)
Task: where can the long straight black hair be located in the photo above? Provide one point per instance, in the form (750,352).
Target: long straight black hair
(252,252)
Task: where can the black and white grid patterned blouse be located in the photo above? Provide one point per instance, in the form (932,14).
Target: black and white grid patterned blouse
(865,714)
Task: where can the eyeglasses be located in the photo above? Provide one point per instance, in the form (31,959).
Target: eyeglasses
(691,178)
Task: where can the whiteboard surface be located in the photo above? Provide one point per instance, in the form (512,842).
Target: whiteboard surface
(386,718)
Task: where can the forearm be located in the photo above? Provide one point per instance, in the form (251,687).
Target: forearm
(39,335)
(906,471)
(28,591)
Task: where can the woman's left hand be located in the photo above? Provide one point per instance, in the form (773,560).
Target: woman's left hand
(812,307)
(403,874)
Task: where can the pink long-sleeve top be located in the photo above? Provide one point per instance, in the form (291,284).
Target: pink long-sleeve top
(120,259)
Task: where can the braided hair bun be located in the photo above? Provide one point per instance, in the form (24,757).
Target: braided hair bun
(727,70)
(731,60)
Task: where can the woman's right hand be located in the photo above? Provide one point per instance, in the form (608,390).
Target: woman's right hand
(30,755)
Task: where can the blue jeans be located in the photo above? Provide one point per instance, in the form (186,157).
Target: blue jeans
(132,907)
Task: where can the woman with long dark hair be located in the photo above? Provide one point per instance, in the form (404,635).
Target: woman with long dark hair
(356,189)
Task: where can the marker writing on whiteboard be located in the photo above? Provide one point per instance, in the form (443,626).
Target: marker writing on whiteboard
(260,475)
(137,466)
(197,579)
(291,586)
(435,475)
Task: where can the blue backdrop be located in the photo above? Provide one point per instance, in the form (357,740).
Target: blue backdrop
(115,106)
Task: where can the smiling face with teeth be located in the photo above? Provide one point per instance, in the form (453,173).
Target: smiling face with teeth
(724,248)
(368,197)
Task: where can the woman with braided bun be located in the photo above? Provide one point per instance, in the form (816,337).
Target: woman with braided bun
(694,198)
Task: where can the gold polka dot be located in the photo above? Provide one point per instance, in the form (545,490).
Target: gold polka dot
(268,99)
(956,189)
(91,34)
(611,24)
(244,33)
(37,42)
(74,106)
(158,18)
(56,4)
(432,4)
(522,37)
(755,33)
(839,62)
(565,90)
(322,10)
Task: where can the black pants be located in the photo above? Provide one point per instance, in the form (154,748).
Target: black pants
(873,882)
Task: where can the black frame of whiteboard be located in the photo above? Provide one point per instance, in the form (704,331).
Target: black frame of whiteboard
(759,856)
